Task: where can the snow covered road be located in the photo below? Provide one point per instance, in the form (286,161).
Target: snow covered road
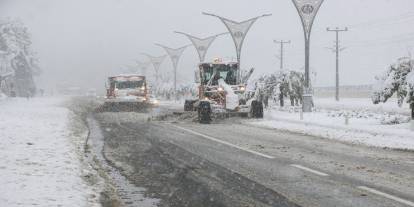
(307,170)
(39,156)
(325,164)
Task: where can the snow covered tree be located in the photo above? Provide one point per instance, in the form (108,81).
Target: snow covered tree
(399,80)
(296,85)
(17,57)
(283,84)
(410,98)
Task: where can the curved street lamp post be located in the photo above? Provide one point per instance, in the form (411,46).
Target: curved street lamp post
(201,44)
(156,63)
(238,31)
(307,10)
(175,55)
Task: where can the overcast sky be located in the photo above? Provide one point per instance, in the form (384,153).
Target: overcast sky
(83,41)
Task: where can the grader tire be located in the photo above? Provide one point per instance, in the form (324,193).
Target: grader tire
(256,110)
(204,112)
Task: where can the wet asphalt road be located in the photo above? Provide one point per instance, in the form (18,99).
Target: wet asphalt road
(308,171)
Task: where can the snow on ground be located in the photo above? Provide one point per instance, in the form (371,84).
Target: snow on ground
(39,156)
(365,124)
(2,96)
(171,104)
(359,104)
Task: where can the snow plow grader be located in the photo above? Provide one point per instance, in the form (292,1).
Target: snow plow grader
(222,92)
(127,93)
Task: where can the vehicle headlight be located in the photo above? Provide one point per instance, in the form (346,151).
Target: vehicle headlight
(220,89)
(242,88)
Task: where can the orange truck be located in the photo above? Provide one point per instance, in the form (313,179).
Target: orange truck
(127,93)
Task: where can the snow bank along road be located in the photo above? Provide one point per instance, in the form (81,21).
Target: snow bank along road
(350,120)
(39,156)
(305,170)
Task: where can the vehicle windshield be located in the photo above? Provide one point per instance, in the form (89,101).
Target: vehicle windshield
(227,72)
(129,84)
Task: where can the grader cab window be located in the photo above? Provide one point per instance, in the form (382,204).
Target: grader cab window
(214,72)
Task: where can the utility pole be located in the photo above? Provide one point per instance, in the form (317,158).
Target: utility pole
(337,30)
(282,43)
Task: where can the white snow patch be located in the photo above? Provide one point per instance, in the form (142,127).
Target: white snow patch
(232,100)
(362,104)
(174,105)
(366,123)
(410,78)
(39,164)
(2,96)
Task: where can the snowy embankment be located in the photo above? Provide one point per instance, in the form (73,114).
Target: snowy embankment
(40,156)
(354,121)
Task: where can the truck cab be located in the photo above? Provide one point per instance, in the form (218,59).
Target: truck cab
(131,88)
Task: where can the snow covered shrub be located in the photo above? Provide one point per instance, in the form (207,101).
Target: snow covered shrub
(394,119)
(165,89)
(393,81)
(399,79)
(286,83)
(351,114)
(410,81)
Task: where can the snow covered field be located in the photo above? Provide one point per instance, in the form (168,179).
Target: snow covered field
(40,156)
(366,123)
(362,104)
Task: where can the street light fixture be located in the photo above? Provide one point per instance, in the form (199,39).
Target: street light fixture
(238,31)
(307,10)
(201,44)
(156,63)
(175,55)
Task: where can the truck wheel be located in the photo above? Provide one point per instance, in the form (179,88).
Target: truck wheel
(204,112)
(256,110)
(188,105)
